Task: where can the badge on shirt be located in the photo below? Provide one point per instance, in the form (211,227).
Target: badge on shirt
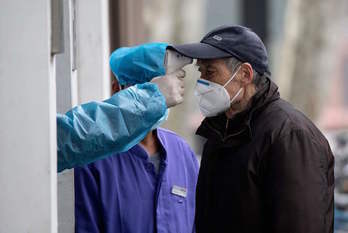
(179,191)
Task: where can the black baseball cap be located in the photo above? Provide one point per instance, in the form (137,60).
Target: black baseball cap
(229,41)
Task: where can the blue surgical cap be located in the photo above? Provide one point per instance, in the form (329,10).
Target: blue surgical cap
(138,64)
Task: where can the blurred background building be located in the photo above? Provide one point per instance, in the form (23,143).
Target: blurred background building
(55,55)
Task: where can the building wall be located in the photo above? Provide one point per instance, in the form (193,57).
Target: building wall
(82,75)
(28,119)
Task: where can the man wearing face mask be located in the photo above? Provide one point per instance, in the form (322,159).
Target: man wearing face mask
(148,188)
(265,166)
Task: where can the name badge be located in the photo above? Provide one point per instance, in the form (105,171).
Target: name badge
(179,191)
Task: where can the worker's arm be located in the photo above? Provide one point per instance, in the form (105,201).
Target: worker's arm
(95,130)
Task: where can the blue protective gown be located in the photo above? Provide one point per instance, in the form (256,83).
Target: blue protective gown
(122,193)
(97,129)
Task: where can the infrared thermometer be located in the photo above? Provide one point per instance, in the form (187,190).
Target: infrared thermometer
(174,61)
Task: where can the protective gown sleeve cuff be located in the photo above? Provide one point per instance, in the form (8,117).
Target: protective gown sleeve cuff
(157,103)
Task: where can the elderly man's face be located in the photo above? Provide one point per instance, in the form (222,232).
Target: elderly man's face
(216,70)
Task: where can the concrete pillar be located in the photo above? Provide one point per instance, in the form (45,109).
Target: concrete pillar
(82,75)
(28,164)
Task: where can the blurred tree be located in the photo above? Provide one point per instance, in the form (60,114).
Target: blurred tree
(303,70)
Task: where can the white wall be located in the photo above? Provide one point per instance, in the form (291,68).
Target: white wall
(27,119)
(28,178)
(93,72)
(88,80)
(66,98)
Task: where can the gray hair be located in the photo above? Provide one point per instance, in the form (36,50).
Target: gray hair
(232,63)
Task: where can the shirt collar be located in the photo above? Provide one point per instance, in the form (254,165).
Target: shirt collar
(140,152)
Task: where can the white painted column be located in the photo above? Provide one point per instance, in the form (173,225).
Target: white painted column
(28,166)
(93,72)
(82,75)
(67,98)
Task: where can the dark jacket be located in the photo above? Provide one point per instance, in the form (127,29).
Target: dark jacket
(268,170)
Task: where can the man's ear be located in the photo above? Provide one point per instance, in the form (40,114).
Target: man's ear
(115,87)
(247,73)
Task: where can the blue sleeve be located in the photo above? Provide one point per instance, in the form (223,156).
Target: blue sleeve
(195,170)
(88,215)
(95,130)
(195,162)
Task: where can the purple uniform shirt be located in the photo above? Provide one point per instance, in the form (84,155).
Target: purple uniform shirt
(123,193)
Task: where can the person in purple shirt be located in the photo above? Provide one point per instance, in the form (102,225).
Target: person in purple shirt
(147,189)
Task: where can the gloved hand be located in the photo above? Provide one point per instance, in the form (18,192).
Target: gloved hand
(172,87)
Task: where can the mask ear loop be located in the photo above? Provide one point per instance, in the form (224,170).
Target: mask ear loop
(236,95)
(234,75)
(238,92)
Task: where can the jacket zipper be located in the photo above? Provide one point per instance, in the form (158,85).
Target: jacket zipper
(222,137)
(226,128)
(233,135)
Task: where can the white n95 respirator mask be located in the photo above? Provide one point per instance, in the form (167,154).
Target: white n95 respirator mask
(213,98)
